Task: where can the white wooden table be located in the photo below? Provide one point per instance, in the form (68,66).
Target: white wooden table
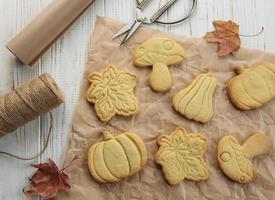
(66,59)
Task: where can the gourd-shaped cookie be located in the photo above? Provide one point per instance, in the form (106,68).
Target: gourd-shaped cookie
(234,159)
(117,157)
(112,92)
(253,87)
(181,156)
(196,100)
(159,53)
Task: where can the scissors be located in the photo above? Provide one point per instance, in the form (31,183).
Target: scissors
(131,28)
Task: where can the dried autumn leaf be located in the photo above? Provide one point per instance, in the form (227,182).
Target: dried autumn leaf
(47,181)
(226,36)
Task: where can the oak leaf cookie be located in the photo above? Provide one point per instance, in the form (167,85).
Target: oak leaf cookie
(196,100)
(181,156)
(117,157)
(112,92)
(253,87)
(159,53)
(234,159)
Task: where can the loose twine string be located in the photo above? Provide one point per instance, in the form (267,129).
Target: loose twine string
(26,103)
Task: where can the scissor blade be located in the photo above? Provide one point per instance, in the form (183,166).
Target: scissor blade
(129,26)
(123,30)
(134,28)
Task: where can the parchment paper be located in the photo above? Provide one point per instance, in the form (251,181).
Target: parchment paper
(156,117)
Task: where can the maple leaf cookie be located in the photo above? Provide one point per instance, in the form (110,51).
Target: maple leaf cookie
(181,156)
(112,92)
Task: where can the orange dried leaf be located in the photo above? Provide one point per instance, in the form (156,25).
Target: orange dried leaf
(226,36)
(47,181)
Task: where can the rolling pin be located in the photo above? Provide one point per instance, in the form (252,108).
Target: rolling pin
(39,35)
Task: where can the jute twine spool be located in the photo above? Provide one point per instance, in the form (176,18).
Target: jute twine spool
(26,103)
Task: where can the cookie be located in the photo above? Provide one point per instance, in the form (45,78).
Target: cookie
(181,156)
(112,92)
(159,53)
(235,159)
(253,87)
(117,157)
(196,100)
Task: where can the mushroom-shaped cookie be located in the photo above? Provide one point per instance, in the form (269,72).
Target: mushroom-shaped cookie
(234,159)
(159,53)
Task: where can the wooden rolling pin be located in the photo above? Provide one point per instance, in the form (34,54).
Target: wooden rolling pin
(38,36)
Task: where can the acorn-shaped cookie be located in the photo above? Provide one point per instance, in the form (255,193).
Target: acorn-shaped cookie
(159,53)
(235,159)
(252,87)
(196,100)
(117,157)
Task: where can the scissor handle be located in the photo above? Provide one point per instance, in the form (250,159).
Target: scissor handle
(162,10)
(141,4)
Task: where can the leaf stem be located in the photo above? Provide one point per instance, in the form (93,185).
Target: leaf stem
(75,158)
(243,35)
(255,35)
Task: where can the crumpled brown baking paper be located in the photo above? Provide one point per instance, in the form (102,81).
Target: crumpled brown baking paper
(157,117)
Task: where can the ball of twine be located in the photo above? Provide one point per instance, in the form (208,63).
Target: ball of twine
(27,102)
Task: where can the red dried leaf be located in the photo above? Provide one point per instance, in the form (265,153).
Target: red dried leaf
(226,36)
(47,181)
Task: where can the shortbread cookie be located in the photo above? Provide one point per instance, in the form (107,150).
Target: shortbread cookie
(117,157)
(235,159)
(112,92)
(159,53)
(196,100)
(252,87)
(181,156)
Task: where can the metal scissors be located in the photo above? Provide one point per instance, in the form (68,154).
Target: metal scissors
(131,28)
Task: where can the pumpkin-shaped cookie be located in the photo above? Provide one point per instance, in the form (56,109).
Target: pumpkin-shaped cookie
(253,87)
(117,157)
(235,159)
(196,100)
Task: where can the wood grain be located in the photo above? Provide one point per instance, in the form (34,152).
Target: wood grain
(66,59)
